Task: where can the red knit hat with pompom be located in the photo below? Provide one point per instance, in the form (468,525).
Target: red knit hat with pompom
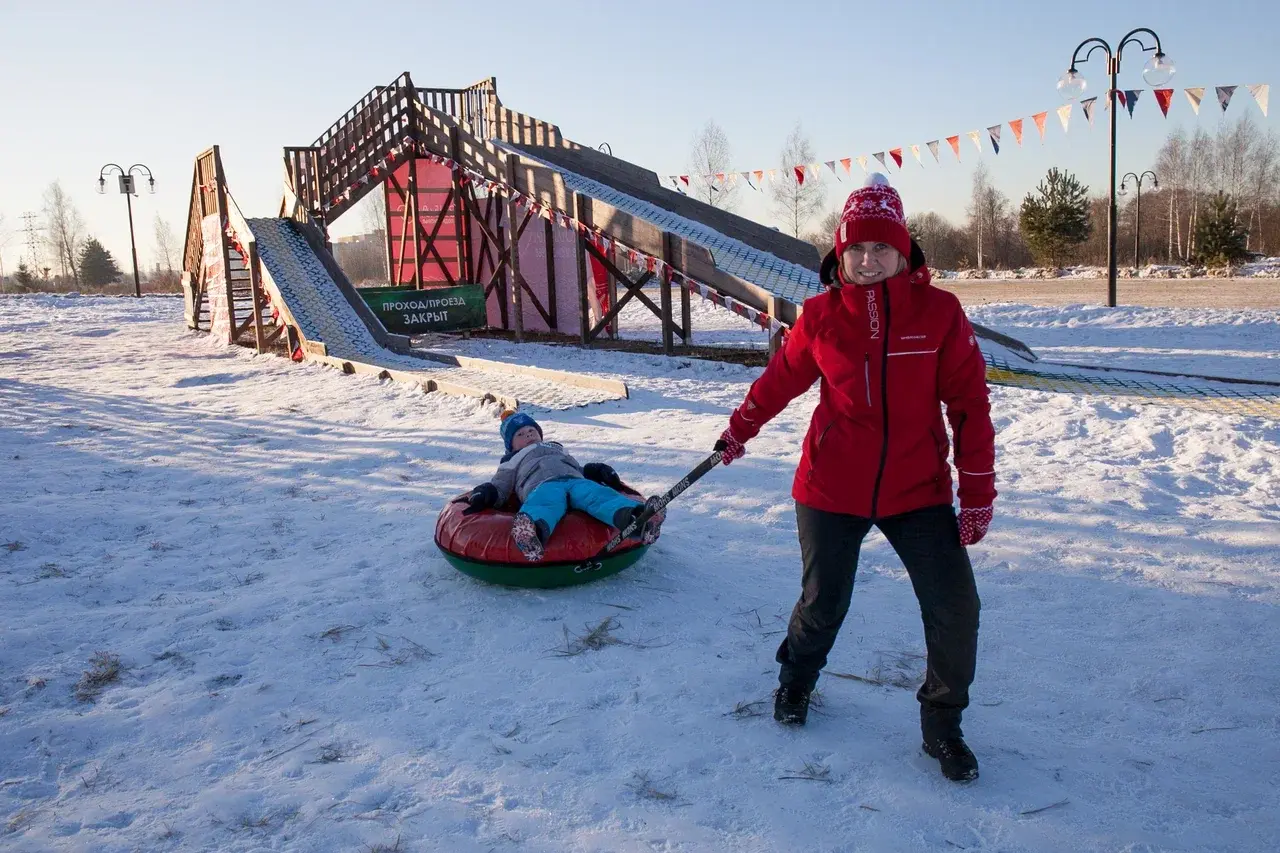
(873,214)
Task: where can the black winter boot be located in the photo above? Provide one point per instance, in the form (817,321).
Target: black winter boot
(958,762)
(791,704)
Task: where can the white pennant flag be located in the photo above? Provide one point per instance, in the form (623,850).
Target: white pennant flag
(1064,116)
(915,149)
(977,139)
(1194,96)
(862,161)
(1261,93)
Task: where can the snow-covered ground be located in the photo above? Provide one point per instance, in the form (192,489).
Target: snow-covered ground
(1242,344)
(301,671)
(1261,268)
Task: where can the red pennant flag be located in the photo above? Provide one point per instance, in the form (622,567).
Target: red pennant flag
(1164,97)
(896,154)
(685,180)
(1016,127)
(847,163)
(799,170)
(759,173)
(1039,118)
(954,142)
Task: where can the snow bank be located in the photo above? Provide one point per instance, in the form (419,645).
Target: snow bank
(301,671)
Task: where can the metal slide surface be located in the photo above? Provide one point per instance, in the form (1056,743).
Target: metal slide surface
(323,314)
(783,279)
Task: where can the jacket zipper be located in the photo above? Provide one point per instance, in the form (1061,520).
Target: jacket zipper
(866,370)
(959,426)
(884,404)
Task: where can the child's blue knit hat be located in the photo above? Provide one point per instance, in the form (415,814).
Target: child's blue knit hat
(512,423)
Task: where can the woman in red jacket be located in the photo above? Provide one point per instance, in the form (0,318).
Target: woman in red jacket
(891,351)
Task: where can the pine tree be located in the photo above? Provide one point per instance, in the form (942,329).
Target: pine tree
(24,278)
(1055,218)
(97,267)
(1219,238)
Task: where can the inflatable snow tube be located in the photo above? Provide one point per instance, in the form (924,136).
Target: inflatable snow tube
(480,545)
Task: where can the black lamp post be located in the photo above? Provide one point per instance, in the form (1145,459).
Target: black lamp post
(1071,86)
(1137,205)
(127,187)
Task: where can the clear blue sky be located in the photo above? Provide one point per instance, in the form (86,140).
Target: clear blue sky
(81,86)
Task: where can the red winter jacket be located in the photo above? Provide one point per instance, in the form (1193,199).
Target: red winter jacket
(889,355)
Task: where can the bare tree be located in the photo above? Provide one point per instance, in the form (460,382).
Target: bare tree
(793,201)
(991,222)
(712,155)
(66,229)
(943,244)
(166,244)
(373,214)
(823,237)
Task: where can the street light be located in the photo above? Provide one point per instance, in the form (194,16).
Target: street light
(1072,85)
(1137,206)
(127,187)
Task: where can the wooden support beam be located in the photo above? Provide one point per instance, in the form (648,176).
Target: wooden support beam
(667,322)
(549,238)
(404,230)
(513,260)
(686,315)
(431,240)
(775,339)
(461,228)
(411,214)
(633,290)
(582,213)
(255,281)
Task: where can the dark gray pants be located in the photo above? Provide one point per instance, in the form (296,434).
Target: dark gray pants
(928,543)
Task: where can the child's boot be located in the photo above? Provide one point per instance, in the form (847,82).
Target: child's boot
(529,536)
(652,527)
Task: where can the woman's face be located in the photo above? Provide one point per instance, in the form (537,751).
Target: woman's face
(868,263)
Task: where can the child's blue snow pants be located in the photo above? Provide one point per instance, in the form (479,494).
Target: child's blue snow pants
(551,500)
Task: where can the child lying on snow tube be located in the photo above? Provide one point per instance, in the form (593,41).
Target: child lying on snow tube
(550,482)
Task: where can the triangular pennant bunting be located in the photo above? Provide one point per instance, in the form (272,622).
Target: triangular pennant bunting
(977,139)
(954,142)
(831,164)
(1039,118)
(1195,96)
(896,154)
(915,152)
(1087,105)
(847,163)
(933,149)
(684,179)
(1016,127)
(1064,116)
(1164,97)
(879,155)
(1131,99)
(862,161)
(1261,93)
(799,172)
(1224,95)
(759,173)
(994,132)
(815,171)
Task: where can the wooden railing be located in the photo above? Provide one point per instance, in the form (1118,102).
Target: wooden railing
(474,108)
